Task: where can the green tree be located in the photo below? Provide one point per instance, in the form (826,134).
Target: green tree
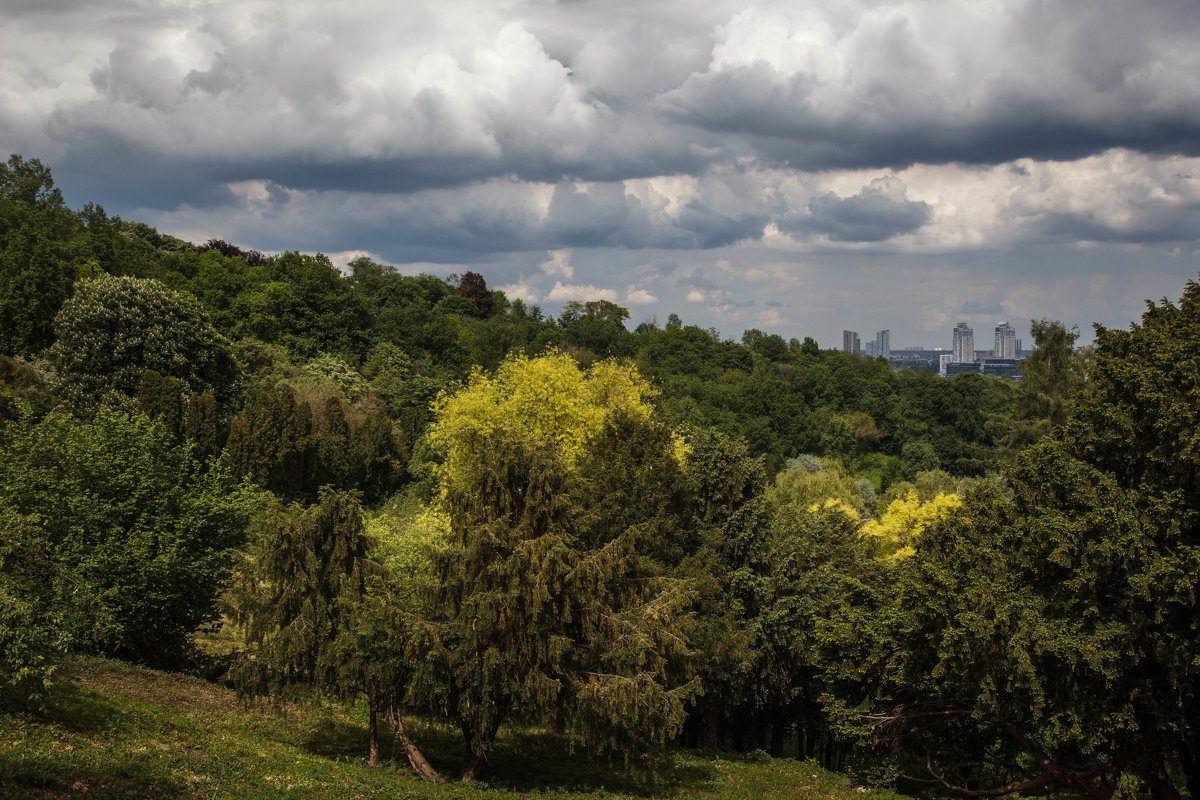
(300,596)
(28,197)
(1051,377)
(553,571)
(597,327)
(725,568)
(272,443)
(114,329)
(35,626)
(162,397)
(1057,624)
(33,286)
(139,536)
(819,628)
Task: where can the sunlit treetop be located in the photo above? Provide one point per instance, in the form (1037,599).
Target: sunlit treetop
(549,399)
(905,519)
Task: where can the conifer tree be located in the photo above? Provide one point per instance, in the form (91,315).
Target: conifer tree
(204,426)
(1054,622)
(298,596)
(271,442)
(161,397)
(554,571)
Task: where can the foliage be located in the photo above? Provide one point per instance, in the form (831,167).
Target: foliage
(596,327)
(33,286)
(1058,622)
(727,484)
(139,538)
(331,369)
(818,626)
(1052,376)
(545,399)
(900,526)
(114,329)
(279,443)
(33,632)
(473,287)
(801,488)
(296,596)
(558,493)
(303,304)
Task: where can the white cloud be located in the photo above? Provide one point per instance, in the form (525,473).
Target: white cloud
(558,265)
(564,292)
(639,297)
(342,258)
(522,289)
(770,317)
(696,296)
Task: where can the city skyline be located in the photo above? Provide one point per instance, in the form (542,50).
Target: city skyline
(1006,343)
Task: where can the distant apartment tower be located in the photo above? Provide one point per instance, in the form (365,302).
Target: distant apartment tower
(850,343)
(963,346)
(872,348)
(1006,341)
(883,343)
(944,364)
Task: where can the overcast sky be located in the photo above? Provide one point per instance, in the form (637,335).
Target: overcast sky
(795,167)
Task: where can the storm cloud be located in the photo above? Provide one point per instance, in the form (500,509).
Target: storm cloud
(878,212)
(758,164)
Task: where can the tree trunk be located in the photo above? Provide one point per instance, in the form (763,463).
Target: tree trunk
(712,731)
(478,745)
(473,767)
(1160,789)
(778,732)
(373,732)
(416,760)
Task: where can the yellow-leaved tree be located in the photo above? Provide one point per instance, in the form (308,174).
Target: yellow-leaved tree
(905,519)
(562,498)
(548,400)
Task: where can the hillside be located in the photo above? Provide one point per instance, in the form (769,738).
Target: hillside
(115,730)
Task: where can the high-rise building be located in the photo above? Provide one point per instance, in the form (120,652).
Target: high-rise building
(1006,341)
(872,348)
(944,364)
(883,343)
(963,346)
(850,343)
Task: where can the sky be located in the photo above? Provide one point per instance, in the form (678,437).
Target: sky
(801,168)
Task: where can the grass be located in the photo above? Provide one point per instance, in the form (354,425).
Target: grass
(111,730)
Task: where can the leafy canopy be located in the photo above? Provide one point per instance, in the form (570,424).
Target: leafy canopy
(549,398)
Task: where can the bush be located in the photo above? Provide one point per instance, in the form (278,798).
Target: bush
(134,533)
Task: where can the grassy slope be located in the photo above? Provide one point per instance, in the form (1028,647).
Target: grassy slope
(112,730)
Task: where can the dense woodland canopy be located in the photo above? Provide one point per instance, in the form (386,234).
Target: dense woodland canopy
(414,493)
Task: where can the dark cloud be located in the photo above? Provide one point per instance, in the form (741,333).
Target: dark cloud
(1160,226)
(776,117)
(873,215)
(1046,82)
(606,215)
(656,139)
(714,229)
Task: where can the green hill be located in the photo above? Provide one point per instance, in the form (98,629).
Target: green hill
(115,730)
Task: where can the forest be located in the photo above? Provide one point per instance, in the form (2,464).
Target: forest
(414,495)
